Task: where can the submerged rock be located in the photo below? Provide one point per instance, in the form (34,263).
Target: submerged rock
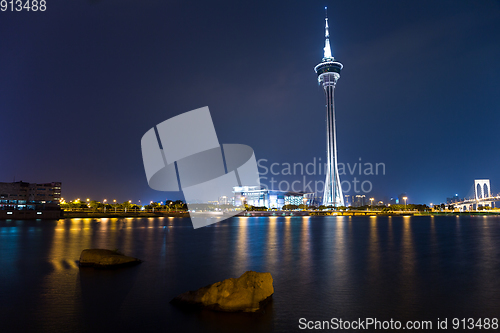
(105,258)
(248,293)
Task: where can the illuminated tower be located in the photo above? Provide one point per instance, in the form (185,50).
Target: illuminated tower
(328,73)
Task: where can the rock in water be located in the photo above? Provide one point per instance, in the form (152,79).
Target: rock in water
(246,293)
(105,258)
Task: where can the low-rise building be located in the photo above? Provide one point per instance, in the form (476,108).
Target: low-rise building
(261,197)
(30,196)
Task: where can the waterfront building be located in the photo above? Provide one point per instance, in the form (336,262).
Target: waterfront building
(401,199)
(359,200)
(29,196)
(223,200)
(346,202)
(30,200)
(258,196)
(453,199)
(328,72)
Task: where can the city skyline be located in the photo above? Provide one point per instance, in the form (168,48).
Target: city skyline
(83,81)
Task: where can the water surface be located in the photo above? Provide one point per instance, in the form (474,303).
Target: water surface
(405,268)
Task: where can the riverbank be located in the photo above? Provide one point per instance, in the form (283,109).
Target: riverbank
(69,214)
(362,213)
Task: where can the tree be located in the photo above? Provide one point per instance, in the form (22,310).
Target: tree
(179,205)
(135,207)
(95,204)
(125,205)
(289,207)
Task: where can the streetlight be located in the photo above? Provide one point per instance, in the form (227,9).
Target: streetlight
(405,198)
(151,203)
(114,201)
(104,201)
(371,202)
(129,202)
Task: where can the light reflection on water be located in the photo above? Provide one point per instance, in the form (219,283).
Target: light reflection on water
(305,249)
(271,244)
(242,243)
(374,247)
(406,268)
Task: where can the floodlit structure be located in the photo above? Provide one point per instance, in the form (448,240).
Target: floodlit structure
(262,197)
(328,72)
(482,189)
(482,197)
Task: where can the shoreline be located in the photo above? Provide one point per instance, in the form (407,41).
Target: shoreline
(53,215)
(65,215)
(360,213)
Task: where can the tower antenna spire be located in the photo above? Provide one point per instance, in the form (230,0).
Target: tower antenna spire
(327,49)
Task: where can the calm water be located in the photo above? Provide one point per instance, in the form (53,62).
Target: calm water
(406,268)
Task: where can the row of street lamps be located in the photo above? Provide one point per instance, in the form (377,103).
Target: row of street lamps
(114,202)
(371,201)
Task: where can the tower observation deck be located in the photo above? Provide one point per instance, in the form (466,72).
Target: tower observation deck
(328,72)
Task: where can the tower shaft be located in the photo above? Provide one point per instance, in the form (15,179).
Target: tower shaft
(328,72)
(332,195)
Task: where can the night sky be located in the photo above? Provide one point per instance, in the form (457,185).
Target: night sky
(82,82)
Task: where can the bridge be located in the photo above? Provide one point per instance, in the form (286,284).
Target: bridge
(482,197)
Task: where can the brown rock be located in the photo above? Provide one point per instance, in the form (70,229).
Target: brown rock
(105,258)
(246,293)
